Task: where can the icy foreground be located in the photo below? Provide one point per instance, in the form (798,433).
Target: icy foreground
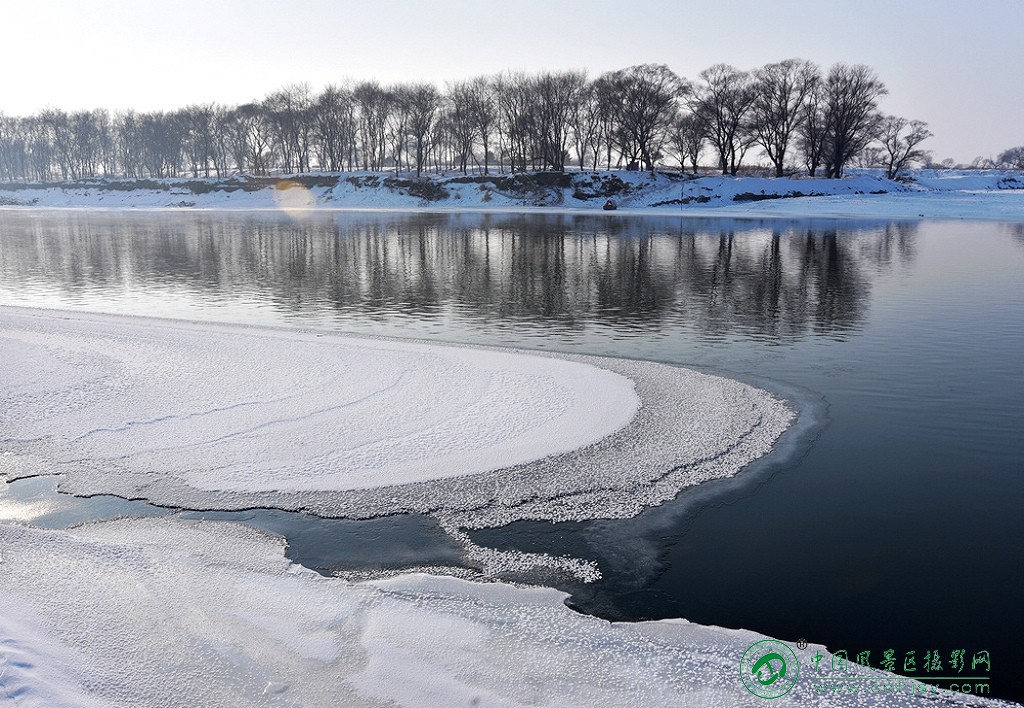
(164,612)
(215,416)
(169,612)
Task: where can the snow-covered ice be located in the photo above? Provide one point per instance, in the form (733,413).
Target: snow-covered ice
(225,417)
(240,410)
(167,612)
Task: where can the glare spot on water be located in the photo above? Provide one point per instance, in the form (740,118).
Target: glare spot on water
(23,512)
(292,198)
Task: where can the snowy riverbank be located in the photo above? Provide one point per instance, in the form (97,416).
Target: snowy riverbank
(948,194)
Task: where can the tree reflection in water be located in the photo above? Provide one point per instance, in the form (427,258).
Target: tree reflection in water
(715,278)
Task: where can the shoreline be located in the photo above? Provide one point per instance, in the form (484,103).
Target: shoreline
(864,194)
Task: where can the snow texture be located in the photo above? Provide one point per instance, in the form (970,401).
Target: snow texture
(168,612)
(276,412)
(939,194)
(226,417)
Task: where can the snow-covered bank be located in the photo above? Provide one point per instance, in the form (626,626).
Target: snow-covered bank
(165,612)
(949,194)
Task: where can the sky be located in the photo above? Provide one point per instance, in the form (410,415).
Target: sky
(956,65)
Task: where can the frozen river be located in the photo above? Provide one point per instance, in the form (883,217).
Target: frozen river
(887,519)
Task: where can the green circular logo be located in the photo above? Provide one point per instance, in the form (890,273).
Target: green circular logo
(769,668)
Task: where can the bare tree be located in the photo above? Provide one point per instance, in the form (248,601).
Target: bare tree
(533,121)
(14,148)
(162,139)
(128,139)
(483,109)
(11,148)
(645,105)
(289,115)
(460,121)
(86,143)
(852,120)
(516,119)
(198,125)
(421,103)
(58,126)
(106,143)
(900,138)
(723,101)
(585,121)
(811,132)
(41,150)
(606,107)
(253,138)
(555,95)
(689,133)
(781,93)
(220,148)
(334,128)
(374,105)
(397,135)
(1012,158)
(871,156)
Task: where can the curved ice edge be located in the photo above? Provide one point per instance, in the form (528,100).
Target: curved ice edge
(212,613)
(232,409)
(655,456)
(690,428)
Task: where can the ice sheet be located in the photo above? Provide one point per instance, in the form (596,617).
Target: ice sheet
(253,411)
(161,612)
(222,417)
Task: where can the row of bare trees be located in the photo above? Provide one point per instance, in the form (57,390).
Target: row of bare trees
(1012,158)
(792,113)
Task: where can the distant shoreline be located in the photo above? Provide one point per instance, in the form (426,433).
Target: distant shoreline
(940,194)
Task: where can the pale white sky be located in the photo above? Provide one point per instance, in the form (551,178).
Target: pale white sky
(957,65)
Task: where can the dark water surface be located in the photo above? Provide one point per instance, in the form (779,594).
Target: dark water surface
(890,518)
